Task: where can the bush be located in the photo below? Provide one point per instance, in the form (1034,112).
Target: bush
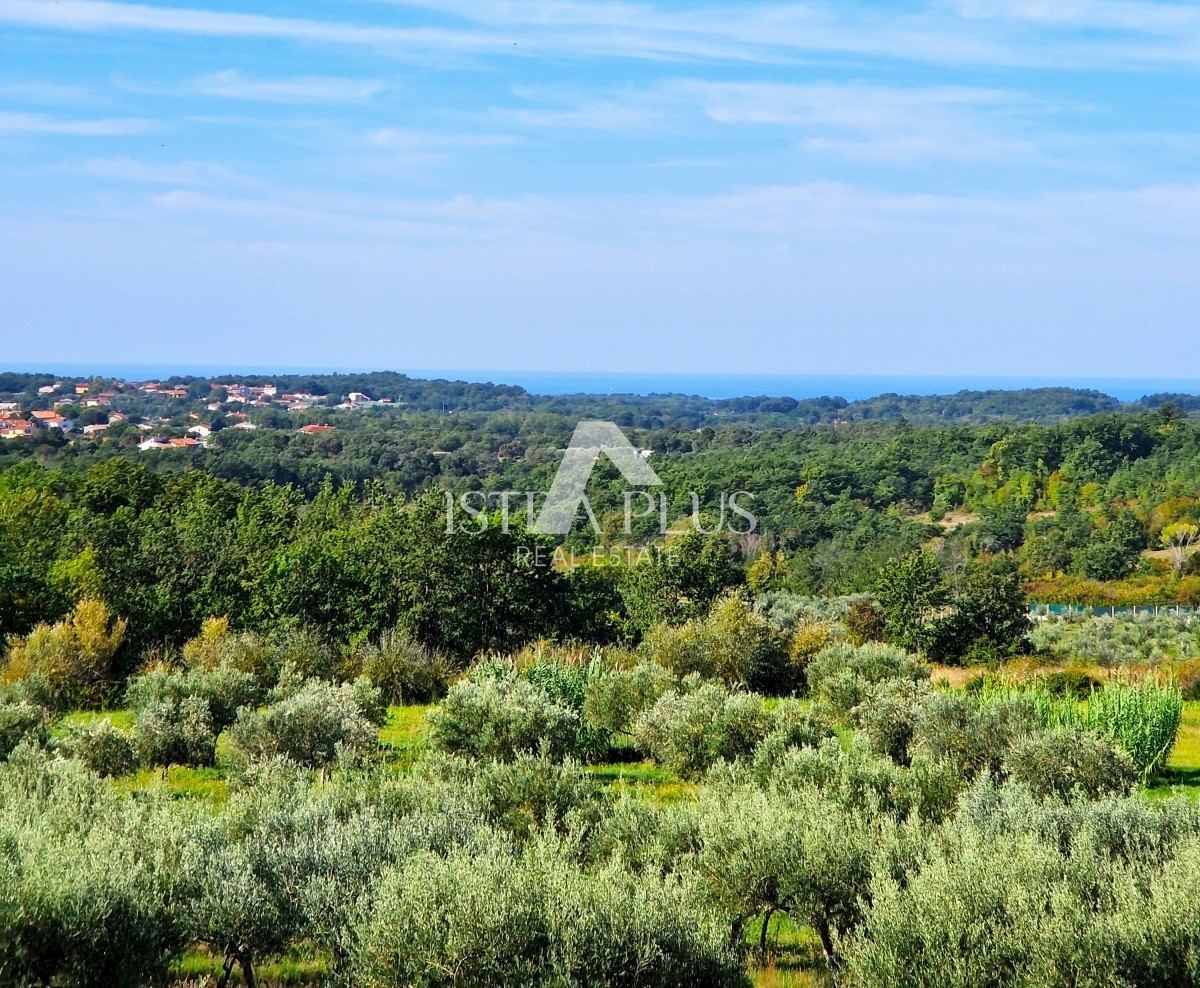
(217,646)
(524,797)
(173,732)
(74,657)
(537,920)
(615,699)
(499,718)
(103,748)
(954,729)
(225,689)
(1063,760)
(1076,683)
(88,878)
(808,639)
(864,622)
(888,716)
(1002,908)
(732,643)
(859,780)
(311,726)
(840,675)
(403,669)
(690,732)
(21,721)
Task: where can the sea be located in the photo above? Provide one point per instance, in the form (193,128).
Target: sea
(852,387)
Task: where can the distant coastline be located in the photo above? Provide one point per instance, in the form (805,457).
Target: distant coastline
(853,387)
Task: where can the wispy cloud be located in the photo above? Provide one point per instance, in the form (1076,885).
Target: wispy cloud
(47,92)
(101,15)
(973,33)
(875,121)
(186,173)
(32,123)
(397,139)
(231,84)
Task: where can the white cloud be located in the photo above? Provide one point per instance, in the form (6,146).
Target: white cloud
(187,173)
(32,123)
(395,139)
(974,33)
(872,121)
(232,84)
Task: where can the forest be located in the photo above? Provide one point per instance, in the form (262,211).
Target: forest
(274,709)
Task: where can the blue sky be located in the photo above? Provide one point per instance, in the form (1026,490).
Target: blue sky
(963,186)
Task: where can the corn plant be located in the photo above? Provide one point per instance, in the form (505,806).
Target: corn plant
(1142,719)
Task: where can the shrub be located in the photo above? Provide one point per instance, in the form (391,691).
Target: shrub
(861,781)
(537,920)
(175,733)
(1001,909)
(74,657)
(20,721)
(840,675)
(808,639)
(1076,683)
(888,716)
(567,684)
(954,729)
(615,699)
(498,719)
(404,669)
(1062,760)
(692,731)
(88,878)
(524,796)
(864,621)
(225,689)
(311,727)
(217,646)
(732,643)
(103,748)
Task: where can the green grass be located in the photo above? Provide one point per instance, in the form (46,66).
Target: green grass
(404,736)
(1183,767)
(794,958)
(199,966)
(181,782)
(645,780)
(122,719)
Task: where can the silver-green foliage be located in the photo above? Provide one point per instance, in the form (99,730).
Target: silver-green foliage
(494,918)
(173,732)
(1028,894)
(840,675)
(499,718)
(102,747)
(312,725)
(20,721)
(88,879)
(690,731)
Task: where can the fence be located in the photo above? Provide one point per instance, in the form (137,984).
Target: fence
(1072,610)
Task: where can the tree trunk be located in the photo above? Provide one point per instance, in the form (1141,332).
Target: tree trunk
(246,963)
(762,939)
(831,957)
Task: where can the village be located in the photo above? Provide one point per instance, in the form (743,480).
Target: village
(88,410)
